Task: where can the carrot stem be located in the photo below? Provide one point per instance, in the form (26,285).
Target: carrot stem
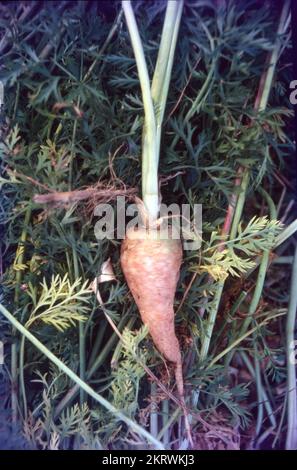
(150,190)
(154,97)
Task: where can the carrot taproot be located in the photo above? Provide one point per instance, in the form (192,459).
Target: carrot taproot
(151,263)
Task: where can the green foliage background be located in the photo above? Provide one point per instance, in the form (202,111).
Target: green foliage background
(62,52)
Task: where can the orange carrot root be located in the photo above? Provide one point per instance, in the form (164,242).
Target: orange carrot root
(151,265)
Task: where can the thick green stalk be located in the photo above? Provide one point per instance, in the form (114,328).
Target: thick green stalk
(291,440)
(208,333)
(14,379)
(257,292)
(43,349)
(150,190)
(163,69)
(162,64)
(154,98)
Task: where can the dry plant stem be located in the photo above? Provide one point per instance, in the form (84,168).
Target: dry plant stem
(63,198)
(291,439)
(98,193)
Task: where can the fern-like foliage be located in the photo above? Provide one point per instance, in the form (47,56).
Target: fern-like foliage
(258,235)
(60,304)
(126,378)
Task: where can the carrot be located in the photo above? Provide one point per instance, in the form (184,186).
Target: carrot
(150,261)
(151,266)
